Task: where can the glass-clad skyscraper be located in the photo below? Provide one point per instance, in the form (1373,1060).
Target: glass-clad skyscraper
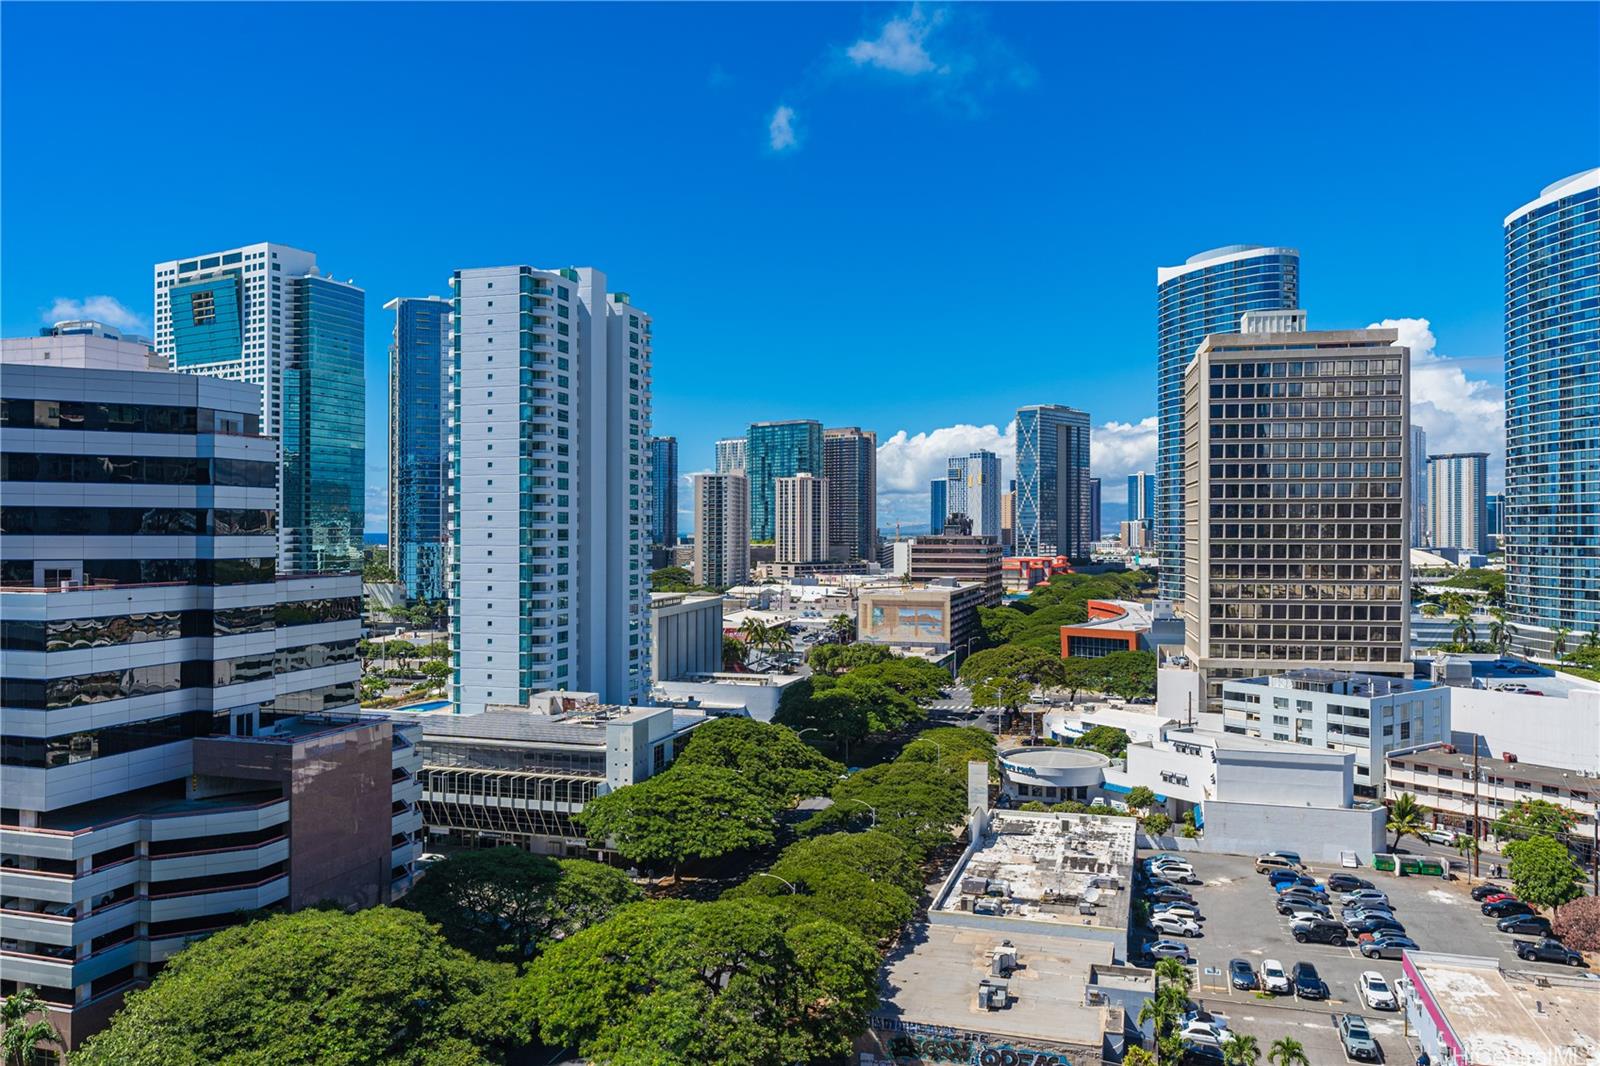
(324,428)
(419,415)
(1053,492)
(850,461)
(663,491)
(1207,294)
(774,450)
(1551,524)
(938,504)
(974,491)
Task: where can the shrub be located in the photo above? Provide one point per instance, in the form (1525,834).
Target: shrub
(1155,824)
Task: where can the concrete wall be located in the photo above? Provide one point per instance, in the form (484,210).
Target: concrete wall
(1317,833)
(1308,778)
(1564,733)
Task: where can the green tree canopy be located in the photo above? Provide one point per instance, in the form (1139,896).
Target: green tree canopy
(693,812)
(318,987)
(25,1043)
(958,745)
(505,903)
(739,980)
(1141,798)
(1108,740)
(916,679)
(836,658)
(771,758)
(1543,873)
(1533,818)
(867,882)
(672,579)
(915,802)
(1006,676)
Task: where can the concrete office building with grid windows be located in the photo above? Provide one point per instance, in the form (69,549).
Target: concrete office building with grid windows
(1296,485)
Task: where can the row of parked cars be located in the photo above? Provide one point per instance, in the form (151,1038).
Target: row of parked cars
(1173,910)
(1512,915)
(1364,913)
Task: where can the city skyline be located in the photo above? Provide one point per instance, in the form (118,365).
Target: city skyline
(1442,260)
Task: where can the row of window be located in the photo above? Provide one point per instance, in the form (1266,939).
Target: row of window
(137,470)
(139,628)
(155,571)
(101,686)
(138,521)
(45,752)
(1295,612)
(125,417)
(1388,590)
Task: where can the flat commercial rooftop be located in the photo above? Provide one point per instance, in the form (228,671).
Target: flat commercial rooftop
(932,979)
(1510,1017)
(1066,869)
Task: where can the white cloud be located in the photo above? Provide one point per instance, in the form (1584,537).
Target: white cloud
(901,45)
(780,130)
(1458,413)
(1117,449)
(107,309)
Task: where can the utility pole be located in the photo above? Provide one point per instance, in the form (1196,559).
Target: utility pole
(1477,826)
(1594,849)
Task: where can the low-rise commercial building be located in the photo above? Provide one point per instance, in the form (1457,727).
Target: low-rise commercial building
(685,634)
(1543,717)
(939,616)
(1365,714)
(1440,776)
(1020,573)
(959,556)
(1112,625)
(1470,1011)
(517,775)
(754,695)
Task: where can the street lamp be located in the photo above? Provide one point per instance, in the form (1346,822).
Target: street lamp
(868,806)
(793,891)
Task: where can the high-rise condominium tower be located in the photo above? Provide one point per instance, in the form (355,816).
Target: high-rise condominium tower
(850,461)
(774,450)
(721,530)
(173,704)
(801,504)
(1417,475)
(1207,294)
(550,485)
(1142,498)
(1294,453)
(1053,481)
(263,314)
(419,428)
(1458,501)
(1008,516)
(1094,509)
(938,504)
(1551,530)
(731,455)
(974,491)
(663,491)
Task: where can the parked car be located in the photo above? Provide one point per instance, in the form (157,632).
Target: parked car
(1302,913)
(1292,856)
(1548,950)
(1442,837)
(1364,895)
(1357,1038)
(1182,910)
(1204,1033)
(1296,907)
(1241,975)
(1308,984)
(1355,914)
(1318,931)
(1268,863)
(1168,894)
(1375,923)
(1274,978)
(1180,875)
(1197,1054)
(1168,949)
(1346,883)
(1496,897)
(1300,884)
(1168,860)
(1286,873)
(1375,991)
(1174,924)
(1481,893)
(1505,908)
(1386,945)
(1525,924)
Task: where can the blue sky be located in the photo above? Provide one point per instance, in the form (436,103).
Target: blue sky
(908,218)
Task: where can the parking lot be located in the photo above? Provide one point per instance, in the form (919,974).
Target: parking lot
(1241,922)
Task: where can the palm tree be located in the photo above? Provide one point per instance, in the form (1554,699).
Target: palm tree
(1240,1050)
(1288,1052)
(1559,646)
(20,1038)
(1406,817)
(778,639)
(754,632)
(843,628)
(1464,632)
(735,653)
(1499,635)
(1592,638)
(1138,1056)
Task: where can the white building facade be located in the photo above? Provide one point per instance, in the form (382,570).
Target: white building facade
(1458,501)
(721,529)
(730,455)
(1367,715)
(549,487)
(800,519)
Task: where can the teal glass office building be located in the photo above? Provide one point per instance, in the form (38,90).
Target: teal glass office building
(663,491)
(1207,294)
(324,428)
(1551,520)
(1053,490)
(418,432)
(774,450)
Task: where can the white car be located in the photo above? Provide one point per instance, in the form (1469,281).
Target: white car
(1181,910)
(1199,1032)
(1442,837)
(1376,993)
(1160,862)
(1274,978)
(1363,896)
(1174,924)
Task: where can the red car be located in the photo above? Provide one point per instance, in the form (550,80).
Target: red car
(1497,897)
